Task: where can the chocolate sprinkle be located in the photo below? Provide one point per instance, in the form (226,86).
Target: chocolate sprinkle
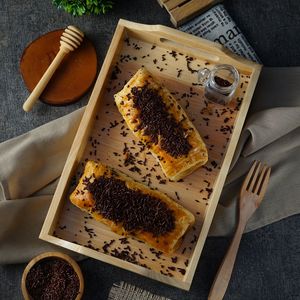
(157,123)
(52,278)
(182,271)
(174,259)
(222,82)
(135,210)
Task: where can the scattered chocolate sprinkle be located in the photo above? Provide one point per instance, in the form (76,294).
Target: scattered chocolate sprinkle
(114,124)
(124,241)
(206,120)
(92,247)
(187,104)
(174,259)
(136,170)
(207,182)
(209,191)
(124,255)
(162,181)
(188,62)
(89,231)
(129,157)
(107,245)
(226,129)
(173,54)
(127,41)
(182,271)
(127,248)
(115,72)
(239,103)
(214,164)
(207,168)
(179,73)
(136,46)
(194,240)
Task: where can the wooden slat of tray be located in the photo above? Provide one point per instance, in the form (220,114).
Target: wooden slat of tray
(102,135)
(183,10)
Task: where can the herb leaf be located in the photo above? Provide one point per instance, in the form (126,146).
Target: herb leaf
(81,7)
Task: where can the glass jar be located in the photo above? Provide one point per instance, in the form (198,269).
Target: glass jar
(220,83)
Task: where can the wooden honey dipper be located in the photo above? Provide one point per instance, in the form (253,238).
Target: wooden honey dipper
(70,40)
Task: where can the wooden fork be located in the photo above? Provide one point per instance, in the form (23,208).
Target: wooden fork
(252,192)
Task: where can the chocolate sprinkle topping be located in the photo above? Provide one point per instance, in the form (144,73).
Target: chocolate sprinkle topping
(135,210)
(158,123)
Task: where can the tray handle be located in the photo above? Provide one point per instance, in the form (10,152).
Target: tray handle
(210,50)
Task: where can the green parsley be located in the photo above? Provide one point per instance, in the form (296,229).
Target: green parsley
(81,7)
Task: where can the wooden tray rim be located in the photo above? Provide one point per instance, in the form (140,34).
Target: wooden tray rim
(86,124)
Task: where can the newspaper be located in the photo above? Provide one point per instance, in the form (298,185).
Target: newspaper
(216,25)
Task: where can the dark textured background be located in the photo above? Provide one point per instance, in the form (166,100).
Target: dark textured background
(268,263)
(271,26)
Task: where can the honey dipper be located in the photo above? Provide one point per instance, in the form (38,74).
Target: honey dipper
(70,40)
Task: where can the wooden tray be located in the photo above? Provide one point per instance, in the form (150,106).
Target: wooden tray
(174,58)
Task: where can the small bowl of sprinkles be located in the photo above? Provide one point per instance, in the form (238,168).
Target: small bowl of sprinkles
(52,275)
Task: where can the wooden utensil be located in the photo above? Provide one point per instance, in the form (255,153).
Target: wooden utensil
(48,255)
(251,195)
(70,40)
(72,79)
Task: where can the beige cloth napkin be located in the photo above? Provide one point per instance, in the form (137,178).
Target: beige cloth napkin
(31,163)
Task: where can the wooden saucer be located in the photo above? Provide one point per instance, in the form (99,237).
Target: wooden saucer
(49,255)
(73,77)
